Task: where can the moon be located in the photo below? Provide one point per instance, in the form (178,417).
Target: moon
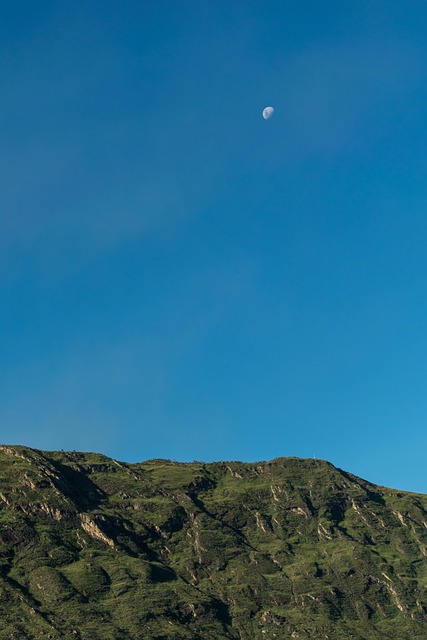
(267,112)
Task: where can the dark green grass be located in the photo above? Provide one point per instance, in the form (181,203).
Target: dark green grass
(91,548)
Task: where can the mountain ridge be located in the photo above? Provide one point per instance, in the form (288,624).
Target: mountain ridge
(91,547)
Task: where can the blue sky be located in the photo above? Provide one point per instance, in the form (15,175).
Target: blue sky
(180,278)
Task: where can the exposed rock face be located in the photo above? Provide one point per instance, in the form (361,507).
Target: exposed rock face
(94,530)
(92,548)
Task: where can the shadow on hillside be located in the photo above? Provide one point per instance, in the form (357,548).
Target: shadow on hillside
(367,486)
(76,485)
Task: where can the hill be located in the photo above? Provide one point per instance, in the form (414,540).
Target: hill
(95,549)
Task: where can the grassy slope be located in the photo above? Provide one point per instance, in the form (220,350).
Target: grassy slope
(94,549)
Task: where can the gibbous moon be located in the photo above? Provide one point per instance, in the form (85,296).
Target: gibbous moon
(267,113)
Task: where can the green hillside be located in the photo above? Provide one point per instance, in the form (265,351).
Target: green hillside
(95,549)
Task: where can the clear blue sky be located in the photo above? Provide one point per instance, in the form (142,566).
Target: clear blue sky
(180,278)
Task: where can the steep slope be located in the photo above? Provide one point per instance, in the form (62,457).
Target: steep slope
(92,548)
